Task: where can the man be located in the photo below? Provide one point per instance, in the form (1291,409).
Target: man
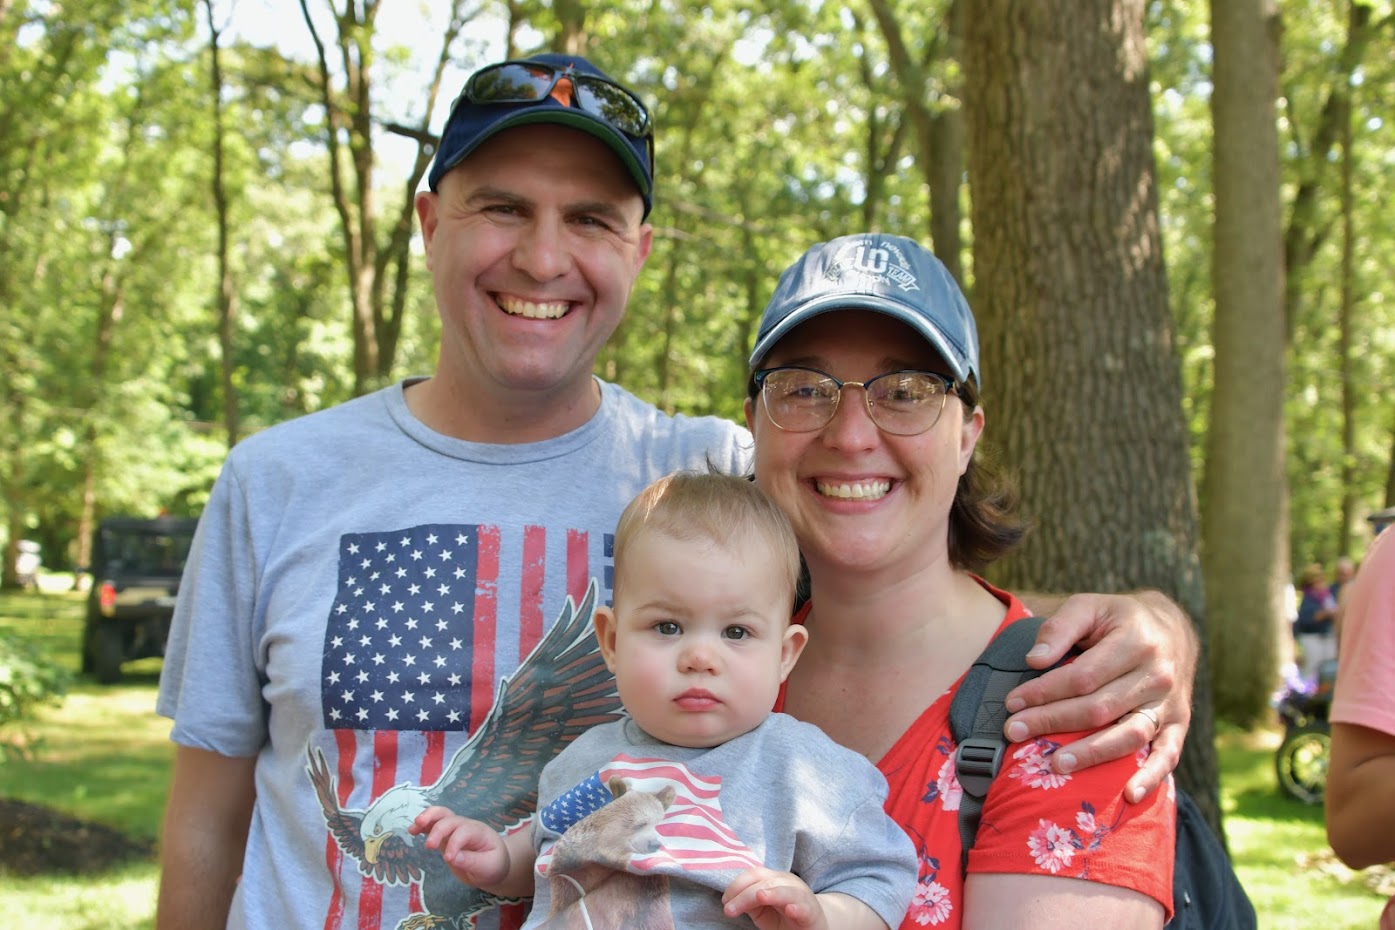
(388,603)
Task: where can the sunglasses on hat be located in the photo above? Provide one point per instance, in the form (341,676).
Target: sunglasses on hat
(532,81)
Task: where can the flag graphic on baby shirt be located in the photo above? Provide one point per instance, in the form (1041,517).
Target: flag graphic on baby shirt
(693,832)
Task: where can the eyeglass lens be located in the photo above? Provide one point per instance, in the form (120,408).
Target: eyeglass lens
(901,402)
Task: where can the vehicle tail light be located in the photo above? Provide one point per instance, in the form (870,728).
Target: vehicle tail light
(106,598)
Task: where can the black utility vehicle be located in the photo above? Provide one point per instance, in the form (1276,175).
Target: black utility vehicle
(136,566)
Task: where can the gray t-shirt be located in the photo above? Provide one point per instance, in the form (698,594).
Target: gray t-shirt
(358,587)
(687,821)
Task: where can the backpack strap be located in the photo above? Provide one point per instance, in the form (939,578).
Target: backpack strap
(977,715)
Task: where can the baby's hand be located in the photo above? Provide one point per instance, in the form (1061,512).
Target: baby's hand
(774,901)
(475,853)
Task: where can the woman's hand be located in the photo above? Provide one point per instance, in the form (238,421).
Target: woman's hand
(1135,673)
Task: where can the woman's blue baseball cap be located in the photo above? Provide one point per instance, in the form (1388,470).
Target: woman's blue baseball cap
(886,274)
(470,124)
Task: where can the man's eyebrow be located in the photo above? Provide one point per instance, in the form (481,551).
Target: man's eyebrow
(492,194)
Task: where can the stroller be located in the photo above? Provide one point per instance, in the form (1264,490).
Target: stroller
(1300,763)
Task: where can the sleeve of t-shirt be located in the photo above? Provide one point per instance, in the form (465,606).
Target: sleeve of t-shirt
(1365,690)
(209,683)
(1038,822)
(870,858)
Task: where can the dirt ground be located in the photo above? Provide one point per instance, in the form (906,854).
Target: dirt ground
(37,840)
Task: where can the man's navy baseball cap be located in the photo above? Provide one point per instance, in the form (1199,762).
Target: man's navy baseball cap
(471,123)
(886,274)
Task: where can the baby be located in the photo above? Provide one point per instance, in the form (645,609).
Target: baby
(702,805)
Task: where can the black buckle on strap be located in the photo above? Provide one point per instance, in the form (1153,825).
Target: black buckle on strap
(976,761)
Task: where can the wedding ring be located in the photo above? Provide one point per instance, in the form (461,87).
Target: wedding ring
(1157,727)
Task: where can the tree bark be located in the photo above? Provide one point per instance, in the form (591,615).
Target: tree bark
(226,297)
(1244,532)
(1082,384)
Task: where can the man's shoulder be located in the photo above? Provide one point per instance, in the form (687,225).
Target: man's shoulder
(644,419)
(334,421)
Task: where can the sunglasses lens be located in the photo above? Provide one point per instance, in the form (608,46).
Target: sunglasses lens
(613,105)
(511,84)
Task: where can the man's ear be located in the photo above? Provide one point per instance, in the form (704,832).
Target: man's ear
(427,203)
(605,623)
(796,638)
(750,415)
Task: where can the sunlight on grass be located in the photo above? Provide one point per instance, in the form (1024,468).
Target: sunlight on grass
(123,899)
(1280,846)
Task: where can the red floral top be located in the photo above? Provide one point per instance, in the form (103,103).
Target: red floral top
(1035,821)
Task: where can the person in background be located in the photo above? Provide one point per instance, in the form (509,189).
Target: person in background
(1342,572)
(1360,795)
(382,596)
(1312,631)
(762,815)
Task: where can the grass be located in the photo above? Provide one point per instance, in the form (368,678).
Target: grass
(101,754)
(104,755)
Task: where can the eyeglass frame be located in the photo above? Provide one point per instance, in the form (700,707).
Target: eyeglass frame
(951,386)
(468,95)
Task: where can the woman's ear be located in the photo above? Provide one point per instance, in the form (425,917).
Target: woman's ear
(968,437)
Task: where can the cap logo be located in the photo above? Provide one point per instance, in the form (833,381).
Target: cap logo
(885,264)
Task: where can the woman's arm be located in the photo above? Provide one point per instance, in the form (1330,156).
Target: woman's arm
(1361,795)
(1140,654)
(1047,902)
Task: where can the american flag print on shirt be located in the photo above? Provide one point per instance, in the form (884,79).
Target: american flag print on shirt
(432,695)
(693,833)
(400,631)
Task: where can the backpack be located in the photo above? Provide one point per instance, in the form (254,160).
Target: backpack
(1206,894)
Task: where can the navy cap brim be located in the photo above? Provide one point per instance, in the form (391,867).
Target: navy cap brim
(874,303)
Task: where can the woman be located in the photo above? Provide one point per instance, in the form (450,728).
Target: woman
(863,405)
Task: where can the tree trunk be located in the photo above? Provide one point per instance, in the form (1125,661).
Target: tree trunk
(376,319)
(1306,230)
(1082,383)
(1244,535)
(226,297)
(939,129)
(1345,367)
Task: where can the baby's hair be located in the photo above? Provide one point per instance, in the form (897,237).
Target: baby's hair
(710,505)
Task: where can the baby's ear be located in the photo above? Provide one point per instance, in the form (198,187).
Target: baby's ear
(605,623)
(796,638)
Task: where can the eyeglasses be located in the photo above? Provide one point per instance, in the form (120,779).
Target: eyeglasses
(904,403)
(531,81)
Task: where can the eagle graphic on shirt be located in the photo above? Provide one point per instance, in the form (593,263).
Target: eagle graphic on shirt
(560,689)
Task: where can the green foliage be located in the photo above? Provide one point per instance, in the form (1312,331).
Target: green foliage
(29,679)
(778,125)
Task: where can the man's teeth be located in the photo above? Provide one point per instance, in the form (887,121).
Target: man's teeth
(534,311)
(855,490)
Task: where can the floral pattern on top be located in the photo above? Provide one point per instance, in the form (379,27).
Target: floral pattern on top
(1035,821)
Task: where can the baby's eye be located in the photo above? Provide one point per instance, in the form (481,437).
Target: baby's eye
(666,628)
(736,632)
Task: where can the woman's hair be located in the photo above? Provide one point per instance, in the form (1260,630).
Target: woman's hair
(1312,575)
(984,524)
(725,509)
